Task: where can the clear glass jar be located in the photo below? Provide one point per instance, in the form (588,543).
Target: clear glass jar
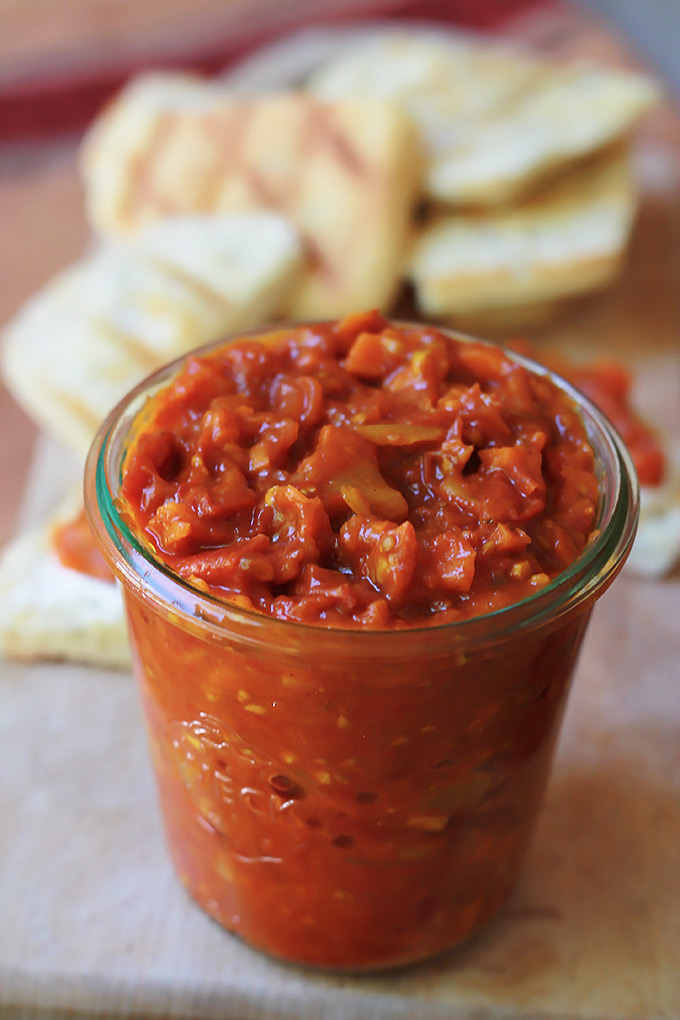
(352,799)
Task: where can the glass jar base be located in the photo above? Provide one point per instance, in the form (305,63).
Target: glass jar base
(345,958)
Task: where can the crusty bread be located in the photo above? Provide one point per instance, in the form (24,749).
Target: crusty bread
(447,85)
(494,120)
(346,174)
(567,240)
(571,112)
(123,134)
(102,325)
(48,611)
(503,319)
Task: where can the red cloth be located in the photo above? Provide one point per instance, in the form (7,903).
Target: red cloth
(62,102)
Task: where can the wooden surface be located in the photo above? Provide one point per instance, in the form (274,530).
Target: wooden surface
(97,922)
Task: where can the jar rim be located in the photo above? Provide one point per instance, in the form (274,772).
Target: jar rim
(583,580)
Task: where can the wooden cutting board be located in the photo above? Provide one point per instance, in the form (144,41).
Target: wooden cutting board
(92,920)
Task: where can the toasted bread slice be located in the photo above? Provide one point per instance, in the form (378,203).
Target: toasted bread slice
(346,175)
(504,319)
(494,120)
(123,134)
(48,611)
(567,240)
(102,325)
(447,85)
(570,113)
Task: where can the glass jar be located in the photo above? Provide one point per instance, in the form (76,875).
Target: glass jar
(354,799)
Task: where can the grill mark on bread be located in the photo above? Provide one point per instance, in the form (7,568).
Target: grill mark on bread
(322,129)
(263,190)
(144,357)
(142,193)
(317,262)
(228,127)
(200,288)
(324,132)
(76,410)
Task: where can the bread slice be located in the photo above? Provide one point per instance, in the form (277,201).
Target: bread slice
(570,113)
(567,240)
(97,329)
(48,611)
(495,121)
(346,175)
(116,148)
(447,85)
(504,319)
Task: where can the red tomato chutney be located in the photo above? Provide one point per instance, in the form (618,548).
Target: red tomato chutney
(350,753)
(362,474)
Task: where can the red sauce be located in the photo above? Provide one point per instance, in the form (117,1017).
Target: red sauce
(362,474)
(609,385)
(72,542)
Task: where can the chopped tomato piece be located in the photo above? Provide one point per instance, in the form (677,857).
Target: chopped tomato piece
(520,463)
(300,530)
(299,398)
(319,591)
(343,458)
(385,554)
(349,328)
(235,567)
(449,562)
(506,541)
(374,355)
(273,445)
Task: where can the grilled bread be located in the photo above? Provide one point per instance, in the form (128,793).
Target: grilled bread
(97,329)
(566,240)
(346,174)
(494,121)
(49,611)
